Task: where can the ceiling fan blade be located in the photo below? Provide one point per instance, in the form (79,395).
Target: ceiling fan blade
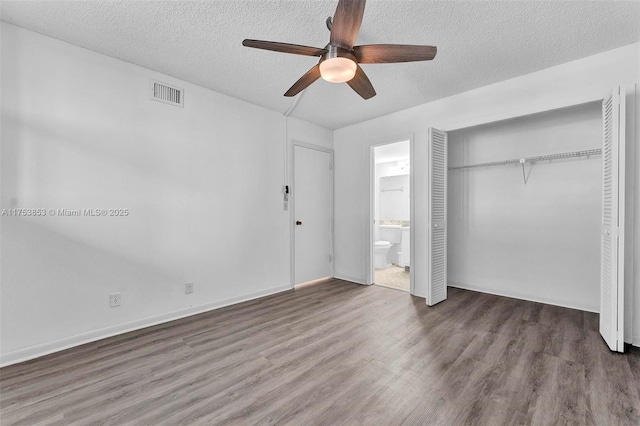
(305,81)
(388,53)
(346,23)
(296,49)
(361,84)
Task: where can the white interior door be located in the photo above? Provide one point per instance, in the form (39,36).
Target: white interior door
(312,198)
(437,238)
(612,241)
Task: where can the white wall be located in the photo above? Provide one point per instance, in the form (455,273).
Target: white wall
(390,168)
(540,240)
(572,83)
(394,197)
(202,185)
(309,132)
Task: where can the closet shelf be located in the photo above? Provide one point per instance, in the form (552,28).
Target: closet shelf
(574,154)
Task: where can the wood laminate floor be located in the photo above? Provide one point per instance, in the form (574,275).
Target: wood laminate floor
(339,353)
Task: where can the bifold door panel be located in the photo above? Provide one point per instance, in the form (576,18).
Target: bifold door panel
(612,231)
(437,286)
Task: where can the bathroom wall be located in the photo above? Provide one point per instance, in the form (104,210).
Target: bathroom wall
(201,185)
(540,240)
(385,169)
(394,198)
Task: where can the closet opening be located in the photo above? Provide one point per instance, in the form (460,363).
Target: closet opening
(525,207)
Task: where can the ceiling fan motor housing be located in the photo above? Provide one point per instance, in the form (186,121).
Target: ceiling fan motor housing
(337,52)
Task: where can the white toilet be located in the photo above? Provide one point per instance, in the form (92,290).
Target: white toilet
(380,252)
(391,234)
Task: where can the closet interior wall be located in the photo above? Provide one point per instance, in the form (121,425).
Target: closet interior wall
(540,240)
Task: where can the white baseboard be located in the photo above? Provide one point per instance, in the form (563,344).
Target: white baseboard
(516,295)
(636,340)
(352,279)
(47,348)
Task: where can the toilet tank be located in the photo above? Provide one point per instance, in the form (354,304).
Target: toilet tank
(391,233)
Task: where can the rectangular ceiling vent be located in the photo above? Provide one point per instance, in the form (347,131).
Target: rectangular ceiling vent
(167,94)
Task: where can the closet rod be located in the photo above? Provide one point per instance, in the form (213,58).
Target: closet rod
(585,153)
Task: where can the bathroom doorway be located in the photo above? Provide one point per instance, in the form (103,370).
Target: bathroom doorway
(391,211)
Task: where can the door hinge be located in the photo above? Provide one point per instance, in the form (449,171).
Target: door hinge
(330,258)
(330,165)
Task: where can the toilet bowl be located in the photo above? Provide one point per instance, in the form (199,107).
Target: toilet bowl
(380,252)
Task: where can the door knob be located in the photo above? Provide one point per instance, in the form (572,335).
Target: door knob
(298,222)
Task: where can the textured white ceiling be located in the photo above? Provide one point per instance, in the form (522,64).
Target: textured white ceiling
(479,43)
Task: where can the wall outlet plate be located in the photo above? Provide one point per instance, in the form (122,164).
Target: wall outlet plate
(188,288)
(115,299)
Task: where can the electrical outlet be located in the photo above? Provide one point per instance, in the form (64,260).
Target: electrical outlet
(188,288)
(115,299)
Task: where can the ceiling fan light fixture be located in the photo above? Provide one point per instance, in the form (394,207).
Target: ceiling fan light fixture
(338,65)
(338,69)
(340,59)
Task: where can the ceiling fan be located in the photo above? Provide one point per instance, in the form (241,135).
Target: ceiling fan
(340,58)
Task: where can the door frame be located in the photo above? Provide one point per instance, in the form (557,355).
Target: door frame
(292,205)
(372,207)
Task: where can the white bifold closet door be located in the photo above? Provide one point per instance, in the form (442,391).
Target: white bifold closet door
(612,240)
(437,238)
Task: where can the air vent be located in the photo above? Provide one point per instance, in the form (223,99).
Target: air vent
(167,94)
